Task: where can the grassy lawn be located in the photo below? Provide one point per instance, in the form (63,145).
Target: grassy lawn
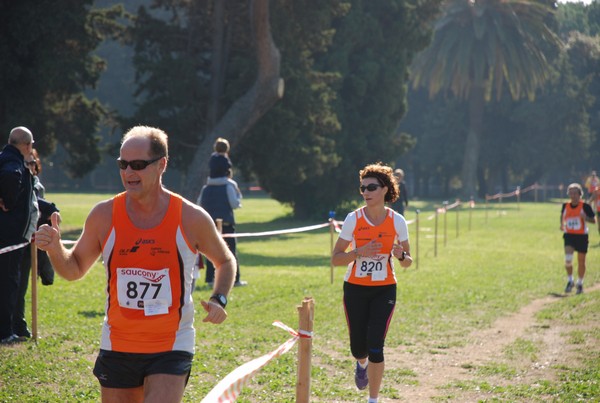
(502,263)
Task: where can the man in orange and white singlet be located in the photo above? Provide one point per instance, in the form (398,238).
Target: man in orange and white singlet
(573,218)
(148,238)
(375,235)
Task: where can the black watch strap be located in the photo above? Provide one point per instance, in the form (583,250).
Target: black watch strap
(220,299)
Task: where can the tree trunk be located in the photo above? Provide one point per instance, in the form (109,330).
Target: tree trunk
(245,112)
(217,65)
(471,156)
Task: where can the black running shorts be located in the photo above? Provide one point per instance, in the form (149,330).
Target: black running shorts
(128,370)
(579,242)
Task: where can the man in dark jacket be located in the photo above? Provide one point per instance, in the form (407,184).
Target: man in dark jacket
(16,192)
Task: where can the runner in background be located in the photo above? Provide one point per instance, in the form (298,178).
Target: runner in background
(573,218)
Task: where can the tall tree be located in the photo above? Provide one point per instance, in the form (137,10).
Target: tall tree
(292,149)
(479,47)
(345,65)
(46,64)
(265,91)
(185,51)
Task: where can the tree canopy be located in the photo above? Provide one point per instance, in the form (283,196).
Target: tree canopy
(48,63)
(343,64)
(522,141)
(479,48)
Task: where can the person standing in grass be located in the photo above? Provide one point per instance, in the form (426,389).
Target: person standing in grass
(573,217)
(375,234)
(148,238)
(401,203)
(219,197)
(16,195)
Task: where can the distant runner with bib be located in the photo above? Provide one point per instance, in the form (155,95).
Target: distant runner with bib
(148,238)
(375,234)
(573,219)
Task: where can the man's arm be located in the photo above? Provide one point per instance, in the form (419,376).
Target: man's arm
(74,263)
(202,233)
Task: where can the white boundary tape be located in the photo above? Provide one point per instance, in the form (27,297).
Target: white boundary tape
(278,232)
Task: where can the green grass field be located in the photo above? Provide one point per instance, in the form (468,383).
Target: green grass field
(498,266)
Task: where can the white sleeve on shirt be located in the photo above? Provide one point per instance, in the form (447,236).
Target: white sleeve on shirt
(347,233)
(401,227)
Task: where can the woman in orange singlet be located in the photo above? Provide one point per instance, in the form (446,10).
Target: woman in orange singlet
(371,238)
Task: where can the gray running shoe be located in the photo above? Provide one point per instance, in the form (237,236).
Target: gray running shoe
(569,286)
(360,377)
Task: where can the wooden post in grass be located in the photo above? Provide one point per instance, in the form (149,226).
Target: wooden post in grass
(417,242)
(486,208)
(34,274)
(331,230)
(445,222)
(457,209)
(306,313)
(435,236)
(471,206)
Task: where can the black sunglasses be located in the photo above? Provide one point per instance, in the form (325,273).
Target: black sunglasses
(30,163)
(371,187)
(136,165)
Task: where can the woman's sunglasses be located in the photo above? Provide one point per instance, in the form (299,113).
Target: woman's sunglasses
(371,187)
(136,165)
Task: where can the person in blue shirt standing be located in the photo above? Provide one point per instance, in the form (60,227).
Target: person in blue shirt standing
(219,197)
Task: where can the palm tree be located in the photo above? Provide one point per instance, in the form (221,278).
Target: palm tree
(479,46)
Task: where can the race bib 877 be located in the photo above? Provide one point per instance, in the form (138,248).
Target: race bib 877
(137,286)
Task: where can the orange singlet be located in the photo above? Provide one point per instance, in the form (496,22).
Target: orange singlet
(379,269)
(149,305)
(573,222)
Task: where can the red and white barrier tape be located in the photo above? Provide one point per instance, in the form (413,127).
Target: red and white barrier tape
(13,247)
(230,387)
(24,244)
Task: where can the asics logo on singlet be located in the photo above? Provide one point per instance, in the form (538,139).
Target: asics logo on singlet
(140,242)
(144,241)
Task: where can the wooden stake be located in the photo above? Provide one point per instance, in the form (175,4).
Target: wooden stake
(331,231)
(34,274)
(306,314)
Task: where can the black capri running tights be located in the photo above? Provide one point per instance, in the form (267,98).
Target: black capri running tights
(369,311)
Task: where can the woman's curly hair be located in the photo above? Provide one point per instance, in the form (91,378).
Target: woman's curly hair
(385,176)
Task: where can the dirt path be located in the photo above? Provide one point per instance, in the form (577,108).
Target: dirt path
(457,364)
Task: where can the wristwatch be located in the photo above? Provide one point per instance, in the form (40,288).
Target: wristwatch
(220,299)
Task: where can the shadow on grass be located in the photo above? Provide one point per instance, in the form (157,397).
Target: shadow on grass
(557,295)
